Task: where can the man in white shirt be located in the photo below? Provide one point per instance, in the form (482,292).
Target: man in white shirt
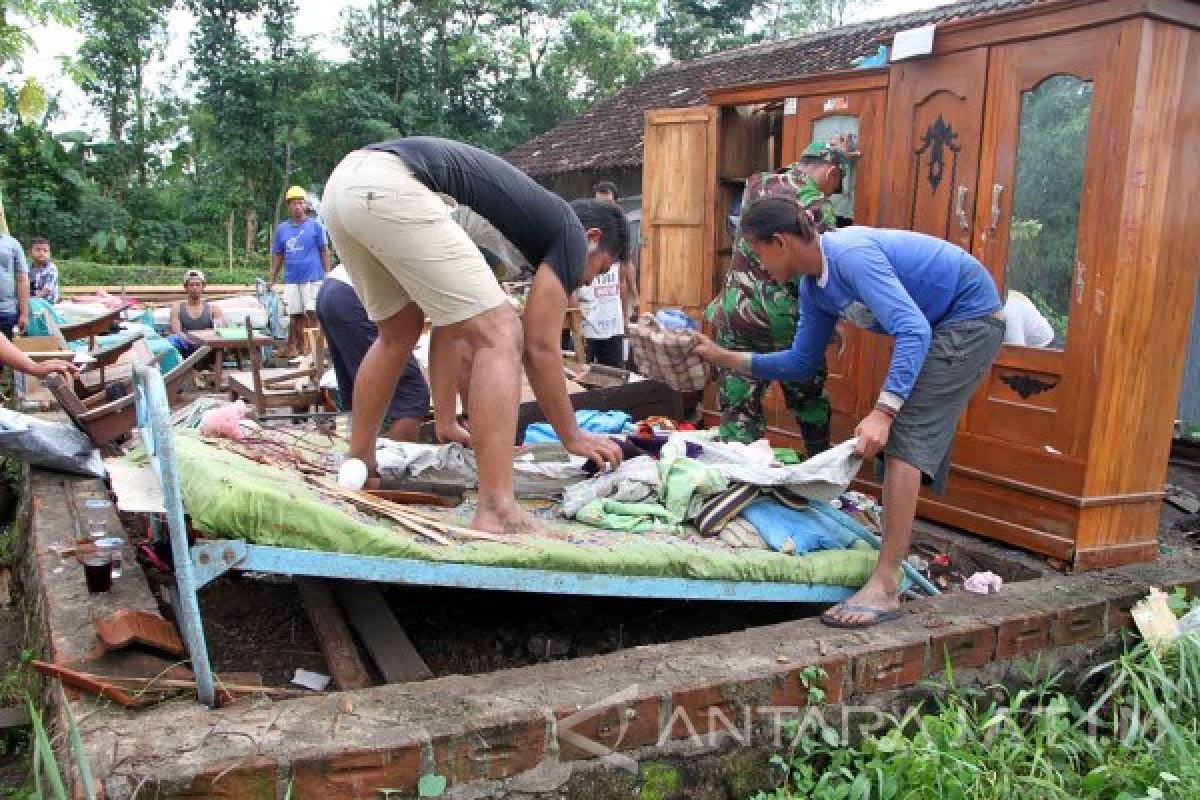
(1023,324)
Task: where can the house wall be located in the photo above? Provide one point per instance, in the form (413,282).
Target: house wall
(572,185)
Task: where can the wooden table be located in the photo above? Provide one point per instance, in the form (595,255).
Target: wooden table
(221,344)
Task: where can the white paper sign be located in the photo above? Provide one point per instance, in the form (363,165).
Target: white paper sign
(789,107)
(913,42)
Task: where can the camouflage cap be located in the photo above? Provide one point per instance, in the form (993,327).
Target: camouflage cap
(823,151)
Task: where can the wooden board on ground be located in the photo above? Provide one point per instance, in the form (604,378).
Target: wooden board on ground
(388,644)
(13,717)
(346,666)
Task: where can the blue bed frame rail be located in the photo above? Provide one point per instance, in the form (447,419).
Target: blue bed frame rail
(198,565)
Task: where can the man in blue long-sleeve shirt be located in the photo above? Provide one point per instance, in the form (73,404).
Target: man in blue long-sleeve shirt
(943,310)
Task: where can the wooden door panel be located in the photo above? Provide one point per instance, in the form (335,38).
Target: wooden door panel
(935,114)
(677,209)
(1032,395)
(676,250)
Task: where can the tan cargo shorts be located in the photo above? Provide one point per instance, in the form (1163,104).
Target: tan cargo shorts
(401,246)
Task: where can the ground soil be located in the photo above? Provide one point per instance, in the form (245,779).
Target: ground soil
(14,757)
(260,625)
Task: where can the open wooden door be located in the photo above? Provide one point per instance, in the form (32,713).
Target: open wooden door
(678,175)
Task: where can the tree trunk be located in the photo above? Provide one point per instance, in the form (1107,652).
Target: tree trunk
(287,174)
(139,131)
(251,229)
(229,239)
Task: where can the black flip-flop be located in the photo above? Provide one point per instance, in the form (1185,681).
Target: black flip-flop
(879,616)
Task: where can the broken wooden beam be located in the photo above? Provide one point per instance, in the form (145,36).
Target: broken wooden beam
(390,648)
(346,666)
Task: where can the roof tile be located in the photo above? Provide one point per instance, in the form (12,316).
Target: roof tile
(610,133)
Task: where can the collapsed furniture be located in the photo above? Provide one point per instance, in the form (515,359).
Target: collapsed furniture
(105,420)
(266,518)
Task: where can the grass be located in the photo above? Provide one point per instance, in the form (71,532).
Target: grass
(1138,738)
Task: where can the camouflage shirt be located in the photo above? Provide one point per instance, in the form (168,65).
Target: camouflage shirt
(750,305)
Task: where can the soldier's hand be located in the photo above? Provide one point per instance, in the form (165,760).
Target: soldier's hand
(713,353)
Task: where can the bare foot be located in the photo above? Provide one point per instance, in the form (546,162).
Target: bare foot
(508,519)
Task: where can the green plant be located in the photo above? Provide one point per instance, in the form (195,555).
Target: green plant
(1138,739)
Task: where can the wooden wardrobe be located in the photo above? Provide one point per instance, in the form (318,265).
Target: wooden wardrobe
(1059,144)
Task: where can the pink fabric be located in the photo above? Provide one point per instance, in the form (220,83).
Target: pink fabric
(224,421)
(105,299)
(983,583)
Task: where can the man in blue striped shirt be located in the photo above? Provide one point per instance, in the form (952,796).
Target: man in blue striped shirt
(943,310)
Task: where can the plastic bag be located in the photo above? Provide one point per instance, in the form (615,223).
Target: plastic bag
(1156,621)
(53,445)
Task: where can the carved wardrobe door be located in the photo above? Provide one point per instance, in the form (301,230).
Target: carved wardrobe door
(935,119)
(935,115)
(822,118)
(1036,231)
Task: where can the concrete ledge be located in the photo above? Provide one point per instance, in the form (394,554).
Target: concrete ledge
(547,728)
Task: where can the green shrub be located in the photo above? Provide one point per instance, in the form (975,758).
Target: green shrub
(1138,739)
(73,272)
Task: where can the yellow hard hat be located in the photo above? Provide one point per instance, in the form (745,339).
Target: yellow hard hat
(295,193)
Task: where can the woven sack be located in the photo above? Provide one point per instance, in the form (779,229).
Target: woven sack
(666,355)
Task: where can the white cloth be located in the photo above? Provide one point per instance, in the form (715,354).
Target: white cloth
(636,477)
(300,297)
(600,305)
(823,477)
(340,273)
(1024,324)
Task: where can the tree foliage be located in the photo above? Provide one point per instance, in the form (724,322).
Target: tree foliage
(197,175)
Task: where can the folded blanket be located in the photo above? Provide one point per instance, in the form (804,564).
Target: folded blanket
(792,530)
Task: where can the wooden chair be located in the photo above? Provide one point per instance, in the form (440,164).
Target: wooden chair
(106,421)
(55,345)
(90,328)
(282,387)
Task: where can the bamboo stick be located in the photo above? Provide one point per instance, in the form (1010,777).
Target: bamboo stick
(402,514)
(369,503)
(149,684)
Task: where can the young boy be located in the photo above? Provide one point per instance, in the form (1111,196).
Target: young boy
(43,277)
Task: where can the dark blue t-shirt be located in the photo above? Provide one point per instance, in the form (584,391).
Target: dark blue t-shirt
(538,222)
(301,246)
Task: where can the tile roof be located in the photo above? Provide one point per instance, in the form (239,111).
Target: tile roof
(609,134)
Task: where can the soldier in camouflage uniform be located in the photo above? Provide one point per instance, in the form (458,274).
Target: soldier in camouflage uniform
(756,314)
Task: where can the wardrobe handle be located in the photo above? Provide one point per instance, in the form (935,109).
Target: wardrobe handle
(960,212)
(997,191)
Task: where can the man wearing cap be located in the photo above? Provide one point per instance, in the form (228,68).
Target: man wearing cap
(192,314)
(301,251)
(754,313)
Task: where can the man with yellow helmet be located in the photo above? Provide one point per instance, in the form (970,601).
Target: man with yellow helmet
(299,248)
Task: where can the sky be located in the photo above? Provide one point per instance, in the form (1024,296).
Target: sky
(318,19)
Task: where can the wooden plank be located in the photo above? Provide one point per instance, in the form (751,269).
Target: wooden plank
(388,644)
(13,717)
(345,664)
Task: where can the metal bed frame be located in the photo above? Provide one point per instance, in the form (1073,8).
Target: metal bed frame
(200,564)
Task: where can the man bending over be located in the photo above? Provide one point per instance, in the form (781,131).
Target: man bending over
(409,260)
(941,306)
